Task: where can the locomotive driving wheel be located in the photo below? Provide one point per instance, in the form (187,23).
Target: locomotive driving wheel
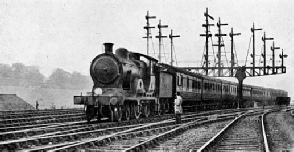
(127,111)
(119,112)
(162,108)
(89,111)
(135,110)
(116,114)
(146,109)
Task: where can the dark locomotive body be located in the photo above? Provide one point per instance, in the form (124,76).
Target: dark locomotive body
(124,85)
(131,85)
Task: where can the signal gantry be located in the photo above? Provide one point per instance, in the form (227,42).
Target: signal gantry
(235,70)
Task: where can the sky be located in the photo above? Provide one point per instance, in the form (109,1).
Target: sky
(68,34)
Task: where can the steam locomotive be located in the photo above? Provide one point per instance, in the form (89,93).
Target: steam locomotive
(130,85)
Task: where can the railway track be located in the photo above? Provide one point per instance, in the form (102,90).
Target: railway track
(244,133)
(141,137)
(55,133)
(31,113)
(133,135)
(44,121)
(13,121)
(43,118)
(52,135)
(247,133)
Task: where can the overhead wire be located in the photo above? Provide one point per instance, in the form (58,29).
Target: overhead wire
(164,51)
(214,59)
(248,50)
(203,56)
(236,53)
(152,43)
(174,50)
(225,51)
(260,57)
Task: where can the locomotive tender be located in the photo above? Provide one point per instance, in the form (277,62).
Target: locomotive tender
(130,85)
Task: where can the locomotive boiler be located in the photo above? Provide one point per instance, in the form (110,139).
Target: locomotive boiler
(124,85)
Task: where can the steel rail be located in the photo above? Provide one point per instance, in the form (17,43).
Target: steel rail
(265,141)
(207,145)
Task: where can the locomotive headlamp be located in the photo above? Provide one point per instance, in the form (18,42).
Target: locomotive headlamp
(98,91)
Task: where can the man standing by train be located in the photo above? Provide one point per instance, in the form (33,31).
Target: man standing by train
(178,107)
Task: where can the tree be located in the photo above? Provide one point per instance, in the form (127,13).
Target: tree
(18,72)
(78,81)
(33,76)
(6,74)
(59,79)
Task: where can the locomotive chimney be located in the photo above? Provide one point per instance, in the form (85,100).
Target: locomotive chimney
(108,48)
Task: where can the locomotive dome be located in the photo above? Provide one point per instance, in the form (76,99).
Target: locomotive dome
(122,52)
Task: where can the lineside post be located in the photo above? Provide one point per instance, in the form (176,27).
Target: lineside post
(240,75)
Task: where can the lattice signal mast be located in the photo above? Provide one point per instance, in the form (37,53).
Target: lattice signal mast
(253,55)
(264,39)
(233,63)
(240,72)
(148,27)
(171,36)
(232,69)
(219,45)
(160,36)
(207,35)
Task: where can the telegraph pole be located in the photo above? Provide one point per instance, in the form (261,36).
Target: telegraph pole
(273,57)
(253,55)
(232,34)
(148,27)
(264,38)
(220,45)
(171,36)
(160,36)
(207,35)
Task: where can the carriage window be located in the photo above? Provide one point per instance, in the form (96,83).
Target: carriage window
(182,80)
(193,84)
(206,86)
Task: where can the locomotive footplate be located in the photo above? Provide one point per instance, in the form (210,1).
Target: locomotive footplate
(106,100)
(141,99)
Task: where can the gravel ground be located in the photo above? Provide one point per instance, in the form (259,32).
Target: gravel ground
(243,136)
(191,139)
(280,129)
